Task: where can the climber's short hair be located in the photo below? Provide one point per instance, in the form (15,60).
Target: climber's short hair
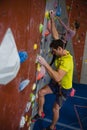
(57,43)
(76,24)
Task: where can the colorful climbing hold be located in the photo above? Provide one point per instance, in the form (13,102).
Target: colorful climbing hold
(29,123)
(86,61)
(28,105)
(26,118)
(34,86)
(58,12)
(47,14)
(41,74)
(22,122)
(23,56)
(35,46)
(32,97)
(46,33)
(40,28)
(23,84)
(68,7)
(38,67)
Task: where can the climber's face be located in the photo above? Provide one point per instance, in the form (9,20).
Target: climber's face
(58,52)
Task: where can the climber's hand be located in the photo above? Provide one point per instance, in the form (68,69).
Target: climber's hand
(42,61)
(52,14)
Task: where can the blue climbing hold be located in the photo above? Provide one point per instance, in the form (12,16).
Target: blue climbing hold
(23,56)
(23,84)
(58,12)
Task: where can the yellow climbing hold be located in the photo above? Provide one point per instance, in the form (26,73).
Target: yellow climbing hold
(29,123)
(86,60)
(26,118)
(32,97)
(68,7)
(34,86)
(38,67)
(47,14)
(35,46)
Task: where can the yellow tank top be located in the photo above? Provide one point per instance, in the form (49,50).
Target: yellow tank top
(65,63)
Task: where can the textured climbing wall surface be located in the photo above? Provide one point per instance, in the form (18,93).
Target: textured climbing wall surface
(23,17)
(83,79)
(77,10)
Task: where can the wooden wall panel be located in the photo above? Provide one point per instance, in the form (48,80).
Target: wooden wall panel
(23,17)
(78,12)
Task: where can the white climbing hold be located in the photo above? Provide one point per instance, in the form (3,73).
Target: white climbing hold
(23,84)
(22,122)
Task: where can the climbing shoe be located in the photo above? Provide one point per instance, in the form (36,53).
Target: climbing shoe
(37,116)
(48,128)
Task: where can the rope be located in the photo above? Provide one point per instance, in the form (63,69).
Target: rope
(70,12)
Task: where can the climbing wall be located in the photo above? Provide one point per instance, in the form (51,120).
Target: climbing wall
(23,18)
(77,10)
(84,64)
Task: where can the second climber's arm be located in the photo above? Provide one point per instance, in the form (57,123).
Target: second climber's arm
(63,24)
(55,33)
(70,31)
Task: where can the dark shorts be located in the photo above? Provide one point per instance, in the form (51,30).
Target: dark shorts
(60,97)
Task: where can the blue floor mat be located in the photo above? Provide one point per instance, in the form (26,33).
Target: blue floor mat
(73,114)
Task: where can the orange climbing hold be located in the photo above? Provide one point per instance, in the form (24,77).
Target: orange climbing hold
(41,73)
(46,33)
(39,76)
